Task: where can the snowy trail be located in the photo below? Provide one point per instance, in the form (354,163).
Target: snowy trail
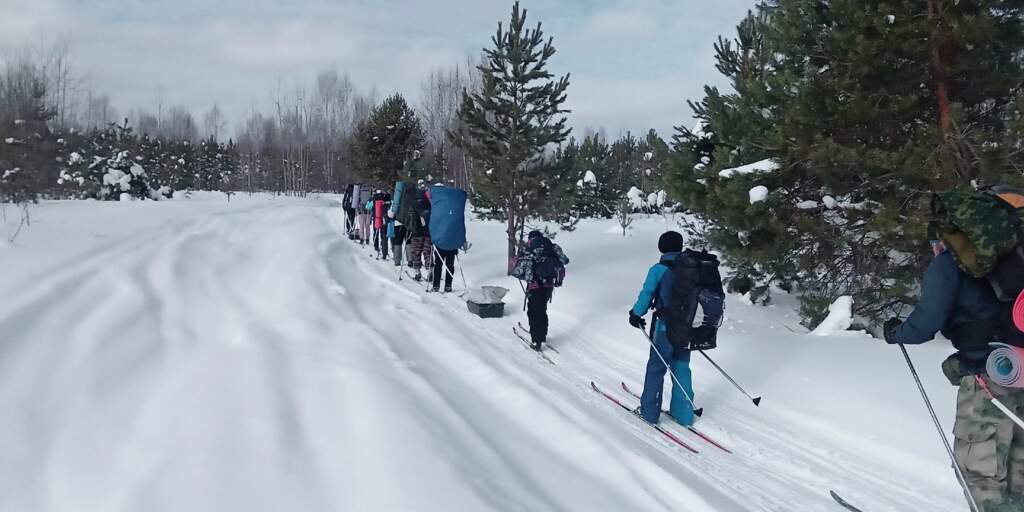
(245,357)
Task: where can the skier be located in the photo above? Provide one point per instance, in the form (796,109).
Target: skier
(541,264)
(656,293)
(398,234)
(381,202)
(990,454)
(350,211)
(418,224)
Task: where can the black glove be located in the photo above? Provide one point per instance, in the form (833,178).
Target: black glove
(636,320)
(889,330)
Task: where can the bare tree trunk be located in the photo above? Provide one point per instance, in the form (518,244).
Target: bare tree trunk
(940,41)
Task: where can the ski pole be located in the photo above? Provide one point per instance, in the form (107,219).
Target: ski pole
(931,410)
(444,264)
(461,272)
(756,400)
(675,379)
(996,402)
(405,251)
(526,296)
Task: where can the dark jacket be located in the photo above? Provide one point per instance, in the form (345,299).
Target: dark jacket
(965,309)
(419,215)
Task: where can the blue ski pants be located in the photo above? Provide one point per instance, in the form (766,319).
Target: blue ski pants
(651,399)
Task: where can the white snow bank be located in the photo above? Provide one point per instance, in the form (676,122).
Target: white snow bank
(767,165)
(839,319)
(636,198)
(590,177)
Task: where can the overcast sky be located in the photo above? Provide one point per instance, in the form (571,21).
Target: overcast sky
(634,63)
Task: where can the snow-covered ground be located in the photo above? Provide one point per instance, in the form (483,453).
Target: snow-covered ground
(202,355)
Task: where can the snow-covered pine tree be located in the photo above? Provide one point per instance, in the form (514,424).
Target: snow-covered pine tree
(655,153)
(104,164)
(852,111)
(386,139)
(509,123)
(230,164)
(598,180)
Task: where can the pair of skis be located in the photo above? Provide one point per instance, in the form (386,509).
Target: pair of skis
(665,432)
(529,346)
(675,439)
(526,329)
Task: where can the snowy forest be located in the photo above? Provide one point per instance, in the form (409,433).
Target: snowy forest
(500,255)
(840,121)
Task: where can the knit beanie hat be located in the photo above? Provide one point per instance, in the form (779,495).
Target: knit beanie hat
(670,241)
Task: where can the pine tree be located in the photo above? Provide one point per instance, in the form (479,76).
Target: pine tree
(509,122)
(857,110)
(598,182)
(387,138)
(27,147)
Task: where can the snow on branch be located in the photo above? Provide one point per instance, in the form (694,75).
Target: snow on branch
(766,165)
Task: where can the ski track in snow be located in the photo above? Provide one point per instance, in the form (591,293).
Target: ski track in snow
(252,359)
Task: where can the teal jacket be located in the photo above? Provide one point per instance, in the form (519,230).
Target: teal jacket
(649,293)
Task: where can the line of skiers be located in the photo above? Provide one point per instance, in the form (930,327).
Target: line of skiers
(968,293)
(371,219)
(401,225)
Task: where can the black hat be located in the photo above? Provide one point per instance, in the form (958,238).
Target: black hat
(534,234)
(670,241)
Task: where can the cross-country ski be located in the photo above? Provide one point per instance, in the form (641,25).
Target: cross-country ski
(531,347)
(843,503)
(525,329)
(693,430)
(669,435)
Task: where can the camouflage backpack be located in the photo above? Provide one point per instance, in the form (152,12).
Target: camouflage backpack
(984,230)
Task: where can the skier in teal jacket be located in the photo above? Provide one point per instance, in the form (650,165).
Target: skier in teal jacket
(656,292)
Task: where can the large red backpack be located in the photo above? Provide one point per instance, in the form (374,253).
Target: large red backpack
(378,214)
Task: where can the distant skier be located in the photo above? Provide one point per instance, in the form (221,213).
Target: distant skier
(381,201)
(656,293)
(347,202)
(421,252)
(398,234)
(541,264)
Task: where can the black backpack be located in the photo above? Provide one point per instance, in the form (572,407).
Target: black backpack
(548,269)
(694,283)
(1007,276)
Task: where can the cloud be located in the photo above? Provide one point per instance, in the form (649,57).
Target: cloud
(633,62)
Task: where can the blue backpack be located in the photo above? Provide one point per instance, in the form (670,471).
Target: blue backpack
(447,218)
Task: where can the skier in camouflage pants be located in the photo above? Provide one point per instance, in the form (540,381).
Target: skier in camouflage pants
(421,251)
(988,447)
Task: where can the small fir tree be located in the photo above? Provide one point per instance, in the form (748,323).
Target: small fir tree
(509,122)
(387,138)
